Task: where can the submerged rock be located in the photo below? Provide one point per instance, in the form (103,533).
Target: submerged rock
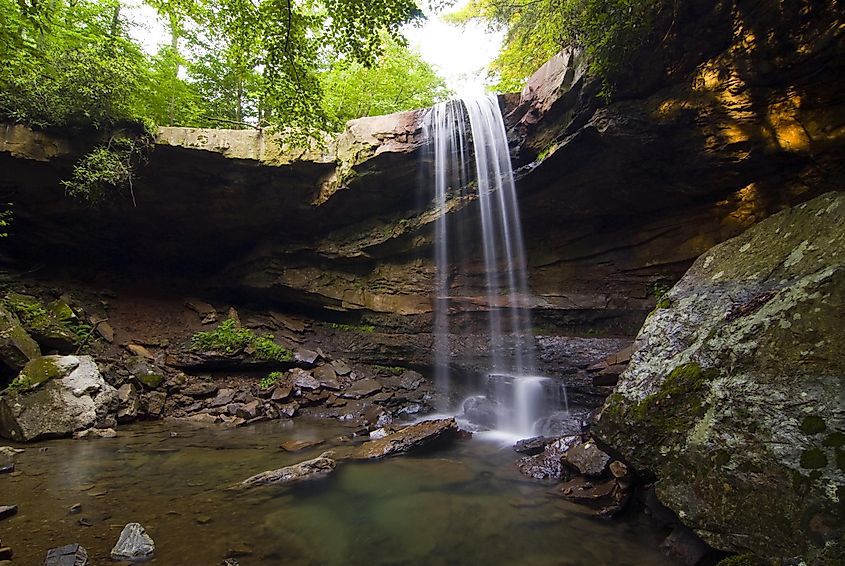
(68,555)
(133,545)
(734,392)
(56,396)
(315,468)
(424,434)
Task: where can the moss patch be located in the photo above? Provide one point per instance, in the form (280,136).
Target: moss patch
(813,425)
(834,440)
(813,459)
(35,373)
(150,380)
(684,386)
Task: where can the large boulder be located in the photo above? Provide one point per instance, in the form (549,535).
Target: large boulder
(56,396)
(52,325)
(734,396)
(16,345)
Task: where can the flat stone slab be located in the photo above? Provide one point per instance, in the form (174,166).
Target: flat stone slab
(423,434)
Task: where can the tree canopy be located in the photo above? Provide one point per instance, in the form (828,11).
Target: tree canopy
(608,30)
(298,66)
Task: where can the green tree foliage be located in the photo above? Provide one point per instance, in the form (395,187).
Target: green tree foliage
(399,80)
(68,67)
(229,62)
(608,30)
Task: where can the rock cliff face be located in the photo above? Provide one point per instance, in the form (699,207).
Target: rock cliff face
(734,395)
(731,116)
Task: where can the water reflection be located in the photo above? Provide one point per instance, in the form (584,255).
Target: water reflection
(467,505)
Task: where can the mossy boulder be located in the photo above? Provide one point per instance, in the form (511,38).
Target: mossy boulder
(51,325)
(56,396)
(16,346)
(734,396)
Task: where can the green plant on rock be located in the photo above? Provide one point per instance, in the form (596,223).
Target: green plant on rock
(34,374)
(395,370)
(229,337)
(267,349)
(367,328)
(108,168)
(270,380)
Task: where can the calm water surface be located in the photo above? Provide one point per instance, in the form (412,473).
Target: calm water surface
(464,505)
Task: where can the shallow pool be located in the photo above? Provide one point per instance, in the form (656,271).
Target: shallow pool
(464,505)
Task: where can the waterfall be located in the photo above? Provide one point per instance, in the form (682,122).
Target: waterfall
(471,158)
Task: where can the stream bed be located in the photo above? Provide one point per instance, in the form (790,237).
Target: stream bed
(464,505)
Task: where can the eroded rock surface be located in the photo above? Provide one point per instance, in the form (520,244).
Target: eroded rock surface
(424,434)
(735,390)
(56,396)
(315,468)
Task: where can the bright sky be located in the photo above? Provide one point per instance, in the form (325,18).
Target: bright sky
(460,54)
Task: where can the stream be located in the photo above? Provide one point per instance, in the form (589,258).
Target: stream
(463,505)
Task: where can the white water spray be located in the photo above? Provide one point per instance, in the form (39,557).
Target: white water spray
(481,155)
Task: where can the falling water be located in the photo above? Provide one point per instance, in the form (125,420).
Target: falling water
(479,154)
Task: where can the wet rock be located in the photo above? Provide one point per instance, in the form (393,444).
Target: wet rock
(202,419)
(7,511)
(410,380)
(304,379)
(532,446)
(481,411)
(361,389)
(147,374)
(224,397)
(306,356)
(425,434)
(133,545)
(315,468)
(607,498)
(341,367)
(281,392)
(152,403)
(16,345)
(6,555)
(327,377)
(587,458)
(200,389)
(68,555)
(249,410)
(65,394)
(547,464)
(686,547)
(288,409)
(95,433)
(9,452)
(128,403)
(298,445)
(737,381)
(7,468)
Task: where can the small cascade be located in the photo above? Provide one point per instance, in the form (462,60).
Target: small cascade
(472,160)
